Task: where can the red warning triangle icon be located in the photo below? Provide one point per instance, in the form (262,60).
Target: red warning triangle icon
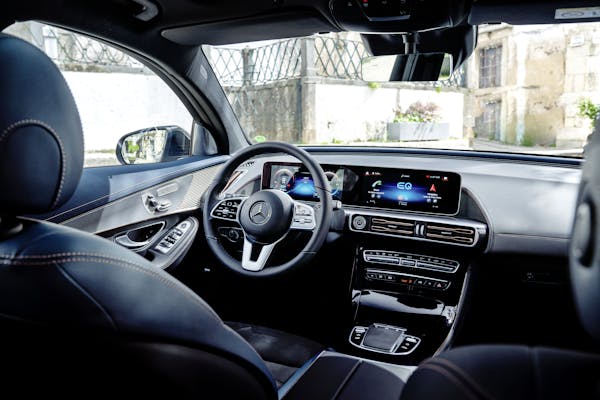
(433,189)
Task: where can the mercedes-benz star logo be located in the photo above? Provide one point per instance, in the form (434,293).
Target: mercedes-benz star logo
(260,213)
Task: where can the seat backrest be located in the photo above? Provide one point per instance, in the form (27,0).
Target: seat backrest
(585,240)
(78,312)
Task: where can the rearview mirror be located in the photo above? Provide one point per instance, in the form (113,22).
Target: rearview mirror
(153,145)
(417,67)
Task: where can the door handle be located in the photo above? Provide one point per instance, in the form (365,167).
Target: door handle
(140,237)
(125,241)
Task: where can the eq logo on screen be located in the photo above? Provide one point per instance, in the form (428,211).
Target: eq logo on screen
(404,186)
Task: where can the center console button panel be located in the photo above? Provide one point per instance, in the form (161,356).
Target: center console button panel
(410,260)
(407,279)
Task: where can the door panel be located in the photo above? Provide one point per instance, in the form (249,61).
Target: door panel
(183,194)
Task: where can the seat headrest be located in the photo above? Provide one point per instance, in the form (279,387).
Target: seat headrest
(41,140)
(584,253)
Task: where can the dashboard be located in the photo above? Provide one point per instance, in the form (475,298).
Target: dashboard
(528,206)
(424,191)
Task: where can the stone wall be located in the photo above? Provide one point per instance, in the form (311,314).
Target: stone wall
(546,70)
(320,111)
(271,110)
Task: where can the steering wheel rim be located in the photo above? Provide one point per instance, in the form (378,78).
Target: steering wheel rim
(321,216)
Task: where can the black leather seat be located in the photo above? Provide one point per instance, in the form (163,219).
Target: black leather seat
(519,372)
(79,315)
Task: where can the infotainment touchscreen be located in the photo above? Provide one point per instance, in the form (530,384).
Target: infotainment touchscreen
(410,190)
(399,189)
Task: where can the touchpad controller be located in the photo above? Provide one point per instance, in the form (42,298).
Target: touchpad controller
(383,337)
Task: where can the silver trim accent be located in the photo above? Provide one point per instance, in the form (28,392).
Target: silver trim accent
(477,226)
(236,184)
(457,314)
(381,271)
(416,266)
(262,259)
(366,328)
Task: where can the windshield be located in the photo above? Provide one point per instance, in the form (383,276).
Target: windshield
(526,89)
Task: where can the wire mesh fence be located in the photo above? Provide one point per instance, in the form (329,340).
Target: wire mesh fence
(338,58)
(73,52)
(323,56)
(320,56)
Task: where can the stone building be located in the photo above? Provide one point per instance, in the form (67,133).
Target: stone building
(526,82)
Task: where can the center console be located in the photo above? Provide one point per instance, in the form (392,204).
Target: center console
(406,294)
(414,234)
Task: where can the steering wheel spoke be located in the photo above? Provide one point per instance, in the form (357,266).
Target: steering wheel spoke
(227,209)
(303,218)
(255,255)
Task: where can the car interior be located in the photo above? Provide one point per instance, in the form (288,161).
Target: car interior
(231,267)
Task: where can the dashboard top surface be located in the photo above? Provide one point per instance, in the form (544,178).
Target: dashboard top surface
(528,206)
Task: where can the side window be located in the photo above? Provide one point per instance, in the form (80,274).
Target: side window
(117,98)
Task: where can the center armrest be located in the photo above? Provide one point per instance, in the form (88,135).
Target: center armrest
(337,376)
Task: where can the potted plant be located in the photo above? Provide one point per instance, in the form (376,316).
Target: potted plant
(420,121)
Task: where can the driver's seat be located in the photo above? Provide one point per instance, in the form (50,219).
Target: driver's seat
(79,315)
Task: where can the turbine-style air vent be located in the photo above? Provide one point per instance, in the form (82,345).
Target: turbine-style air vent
(393,226)
(451,234)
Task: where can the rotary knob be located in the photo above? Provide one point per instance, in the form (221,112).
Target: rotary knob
(359,223)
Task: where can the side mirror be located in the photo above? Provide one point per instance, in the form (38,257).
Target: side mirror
(417,67)
(153,145)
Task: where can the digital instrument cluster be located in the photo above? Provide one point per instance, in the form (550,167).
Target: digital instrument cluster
(298,183)
(399,189)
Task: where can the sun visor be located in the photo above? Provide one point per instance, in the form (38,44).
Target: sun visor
(264,27)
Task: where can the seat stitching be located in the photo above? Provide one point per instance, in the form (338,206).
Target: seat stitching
(452,378)
(63,162)
(86,293)
(452,367)
(536,372)
(108,261)
(66,254)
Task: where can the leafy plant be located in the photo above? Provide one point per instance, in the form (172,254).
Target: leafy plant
(528,141)
(418,112)
(587,109)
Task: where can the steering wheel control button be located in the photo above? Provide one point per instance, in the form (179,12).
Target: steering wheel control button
(227,209)
(304,217)
(359,223)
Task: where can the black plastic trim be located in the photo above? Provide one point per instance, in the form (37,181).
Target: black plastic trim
(448,153)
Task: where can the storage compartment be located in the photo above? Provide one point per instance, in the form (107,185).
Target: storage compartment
(341,377)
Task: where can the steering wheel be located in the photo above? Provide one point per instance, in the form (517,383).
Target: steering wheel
(267,216)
